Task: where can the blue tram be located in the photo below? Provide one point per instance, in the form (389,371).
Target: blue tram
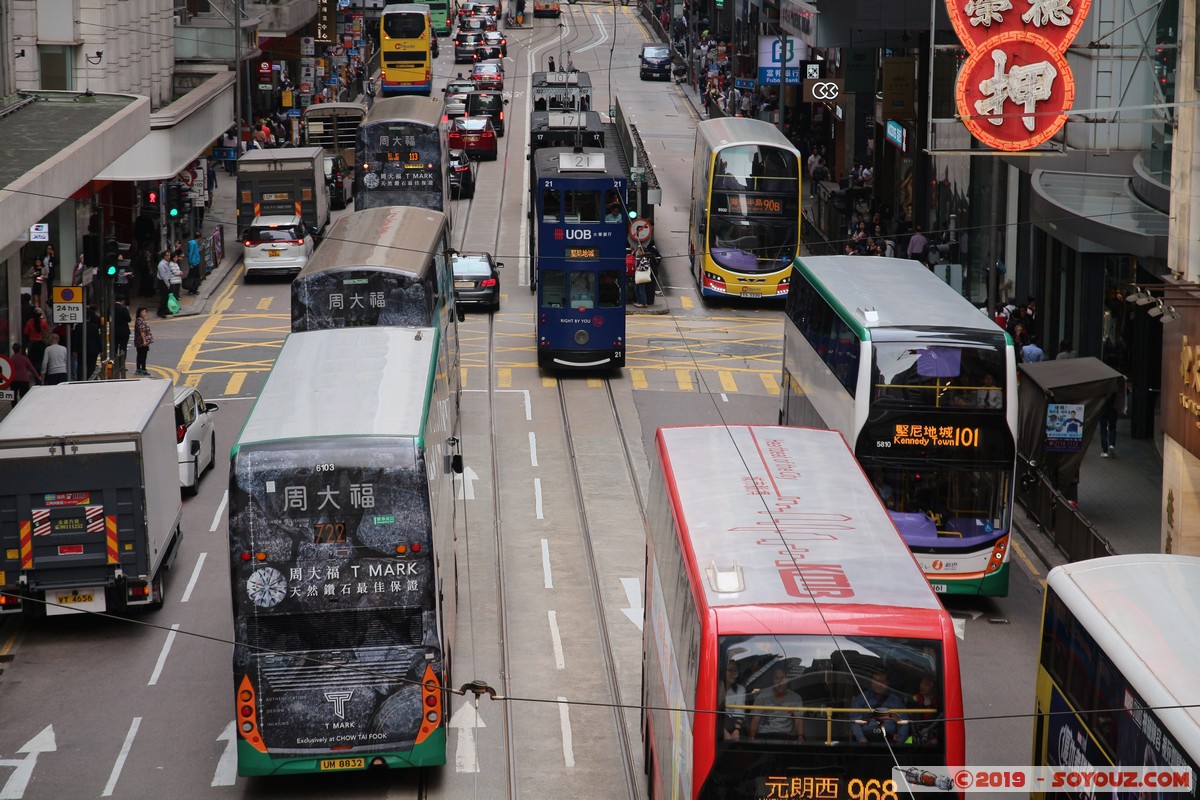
(577,254)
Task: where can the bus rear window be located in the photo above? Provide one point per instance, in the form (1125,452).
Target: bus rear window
(403,26)
(938,375)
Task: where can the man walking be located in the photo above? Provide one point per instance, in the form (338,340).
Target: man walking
(54,362)
(163,274)
(917,245)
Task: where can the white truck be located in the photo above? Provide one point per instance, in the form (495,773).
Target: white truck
(283,181)
(89,497)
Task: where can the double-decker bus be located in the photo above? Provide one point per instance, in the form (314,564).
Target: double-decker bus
(334,127)
(744,225)
(381,266)
(792,647)
(440,18)
(401,157)
(1116,679)
(924,388)
(342,560)
(577,256)
(405,50)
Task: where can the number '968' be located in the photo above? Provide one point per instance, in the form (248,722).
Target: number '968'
(872,789)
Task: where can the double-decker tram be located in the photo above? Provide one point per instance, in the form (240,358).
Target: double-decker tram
(792,647)
(401,159)
(406,46)
(561,91)
(924,388)
(1116,682)
(744,228)
(382,266)
(342,559)
(577,256)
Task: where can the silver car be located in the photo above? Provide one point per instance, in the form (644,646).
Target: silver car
(195,436)
(276,245)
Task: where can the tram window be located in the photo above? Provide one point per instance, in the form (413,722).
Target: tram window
(583,289)
(554,287)
(550,205)
(582,206)
(610,288)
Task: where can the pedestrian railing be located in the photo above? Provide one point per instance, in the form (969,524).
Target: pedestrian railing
(1058,516)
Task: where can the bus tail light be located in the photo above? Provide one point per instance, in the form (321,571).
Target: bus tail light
(247,715)
(999,553)
(431,704)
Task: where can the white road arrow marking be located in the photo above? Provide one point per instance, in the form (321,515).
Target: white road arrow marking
(466,720)
(14,787)
(226,774)
(466,484)
(633,594)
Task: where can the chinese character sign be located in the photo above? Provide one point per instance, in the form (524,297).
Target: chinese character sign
(1015,88)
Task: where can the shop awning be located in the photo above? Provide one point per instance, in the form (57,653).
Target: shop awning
(178,134)
(1097,214)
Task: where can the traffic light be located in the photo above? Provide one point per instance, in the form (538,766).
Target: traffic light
(151,198)
(112,258)
(174,200)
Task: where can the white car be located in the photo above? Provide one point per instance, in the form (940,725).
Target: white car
(196,436)
(276,245)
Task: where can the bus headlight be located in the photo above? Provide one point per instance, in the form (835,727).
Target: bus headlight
(581,337)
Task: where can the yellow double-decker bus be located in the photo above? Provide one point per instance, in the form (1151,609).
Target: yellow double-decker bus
(744,229)
(406,50)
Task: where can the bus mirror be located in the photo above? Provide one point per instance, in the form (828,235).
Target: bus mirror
(462,315)
(456,464)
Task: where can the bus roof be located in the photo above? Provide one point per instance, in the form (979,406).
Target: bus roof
(346,382)
(400,8)
(560,79)
(724,131)
(422,110)
(391,238)
(547,162)
(335,109)
(1144,611)
(904,293)
(742,493)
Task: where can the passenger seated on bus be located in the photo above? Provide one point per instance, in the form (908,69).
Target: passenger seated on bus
(926,728)
(610,289)
(732,693)
(990,396)
(878,712)
(583,290)
(582,206)
(781,714)
(613,213)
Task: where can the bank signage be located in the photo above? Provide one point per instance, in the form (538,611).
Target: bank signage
(1181,382)
(774,52)
(1015,88)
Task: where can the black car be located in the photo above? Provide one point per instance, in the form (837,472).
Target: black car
(460,174)
(656,62)
(465,43)
(476,280)
(339,179)
(488,103)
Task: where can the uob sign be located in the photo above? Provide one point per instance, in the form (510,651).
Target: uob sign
(1015,87)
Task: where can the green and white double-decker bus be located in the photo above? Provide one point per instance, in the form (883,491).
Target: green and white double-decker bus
(923,385)
(342,559)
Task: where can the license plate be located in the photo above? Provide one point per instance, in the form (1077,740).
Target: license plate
(76,602)
(329,764)
(939,588)
(471,139)
(74,599)
(274,253)
(746,292)
(464,284)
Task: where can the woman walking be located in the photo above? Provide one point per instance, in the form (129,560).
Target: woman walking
(142,339)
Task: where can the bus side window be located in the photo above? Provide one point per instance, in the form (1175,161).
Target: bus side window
(610,288)
(550,205)
(554,287)
(582,206)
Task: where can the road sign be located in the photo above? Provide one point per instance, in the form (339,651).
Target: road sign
(306,88)
(640,230)
(6,372)
(66,304)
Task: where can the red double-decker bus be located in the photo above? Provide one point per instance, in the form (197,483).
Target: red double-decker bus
(793,647)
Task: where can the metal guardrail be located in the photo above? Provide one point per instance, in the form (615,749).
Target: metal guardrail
(1062,521)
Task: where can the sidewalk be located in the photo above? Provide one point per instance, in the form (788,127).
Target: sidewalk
(220,213)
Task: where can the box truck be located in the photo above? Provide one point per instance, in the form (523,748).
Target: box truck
(283,181)
(90,505)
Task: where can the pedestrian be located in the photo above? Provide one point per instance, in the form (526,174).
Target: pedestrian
(94,338)
(37,334)
(54,362)
(1108,425)
(176,279)
(142,339)
(918,243)
(643,289)
(1031,353)
(1065,350)
(50,261)
(124,273)
(37,281)
(120,327)
(163,275)
(77,272)
(550,60)
(23,372)
(193,257)
(819,176)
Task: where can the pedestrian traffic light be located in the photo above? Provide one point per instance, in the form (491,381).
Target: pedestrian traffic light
(112,258)
(174,200)
(152,198)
